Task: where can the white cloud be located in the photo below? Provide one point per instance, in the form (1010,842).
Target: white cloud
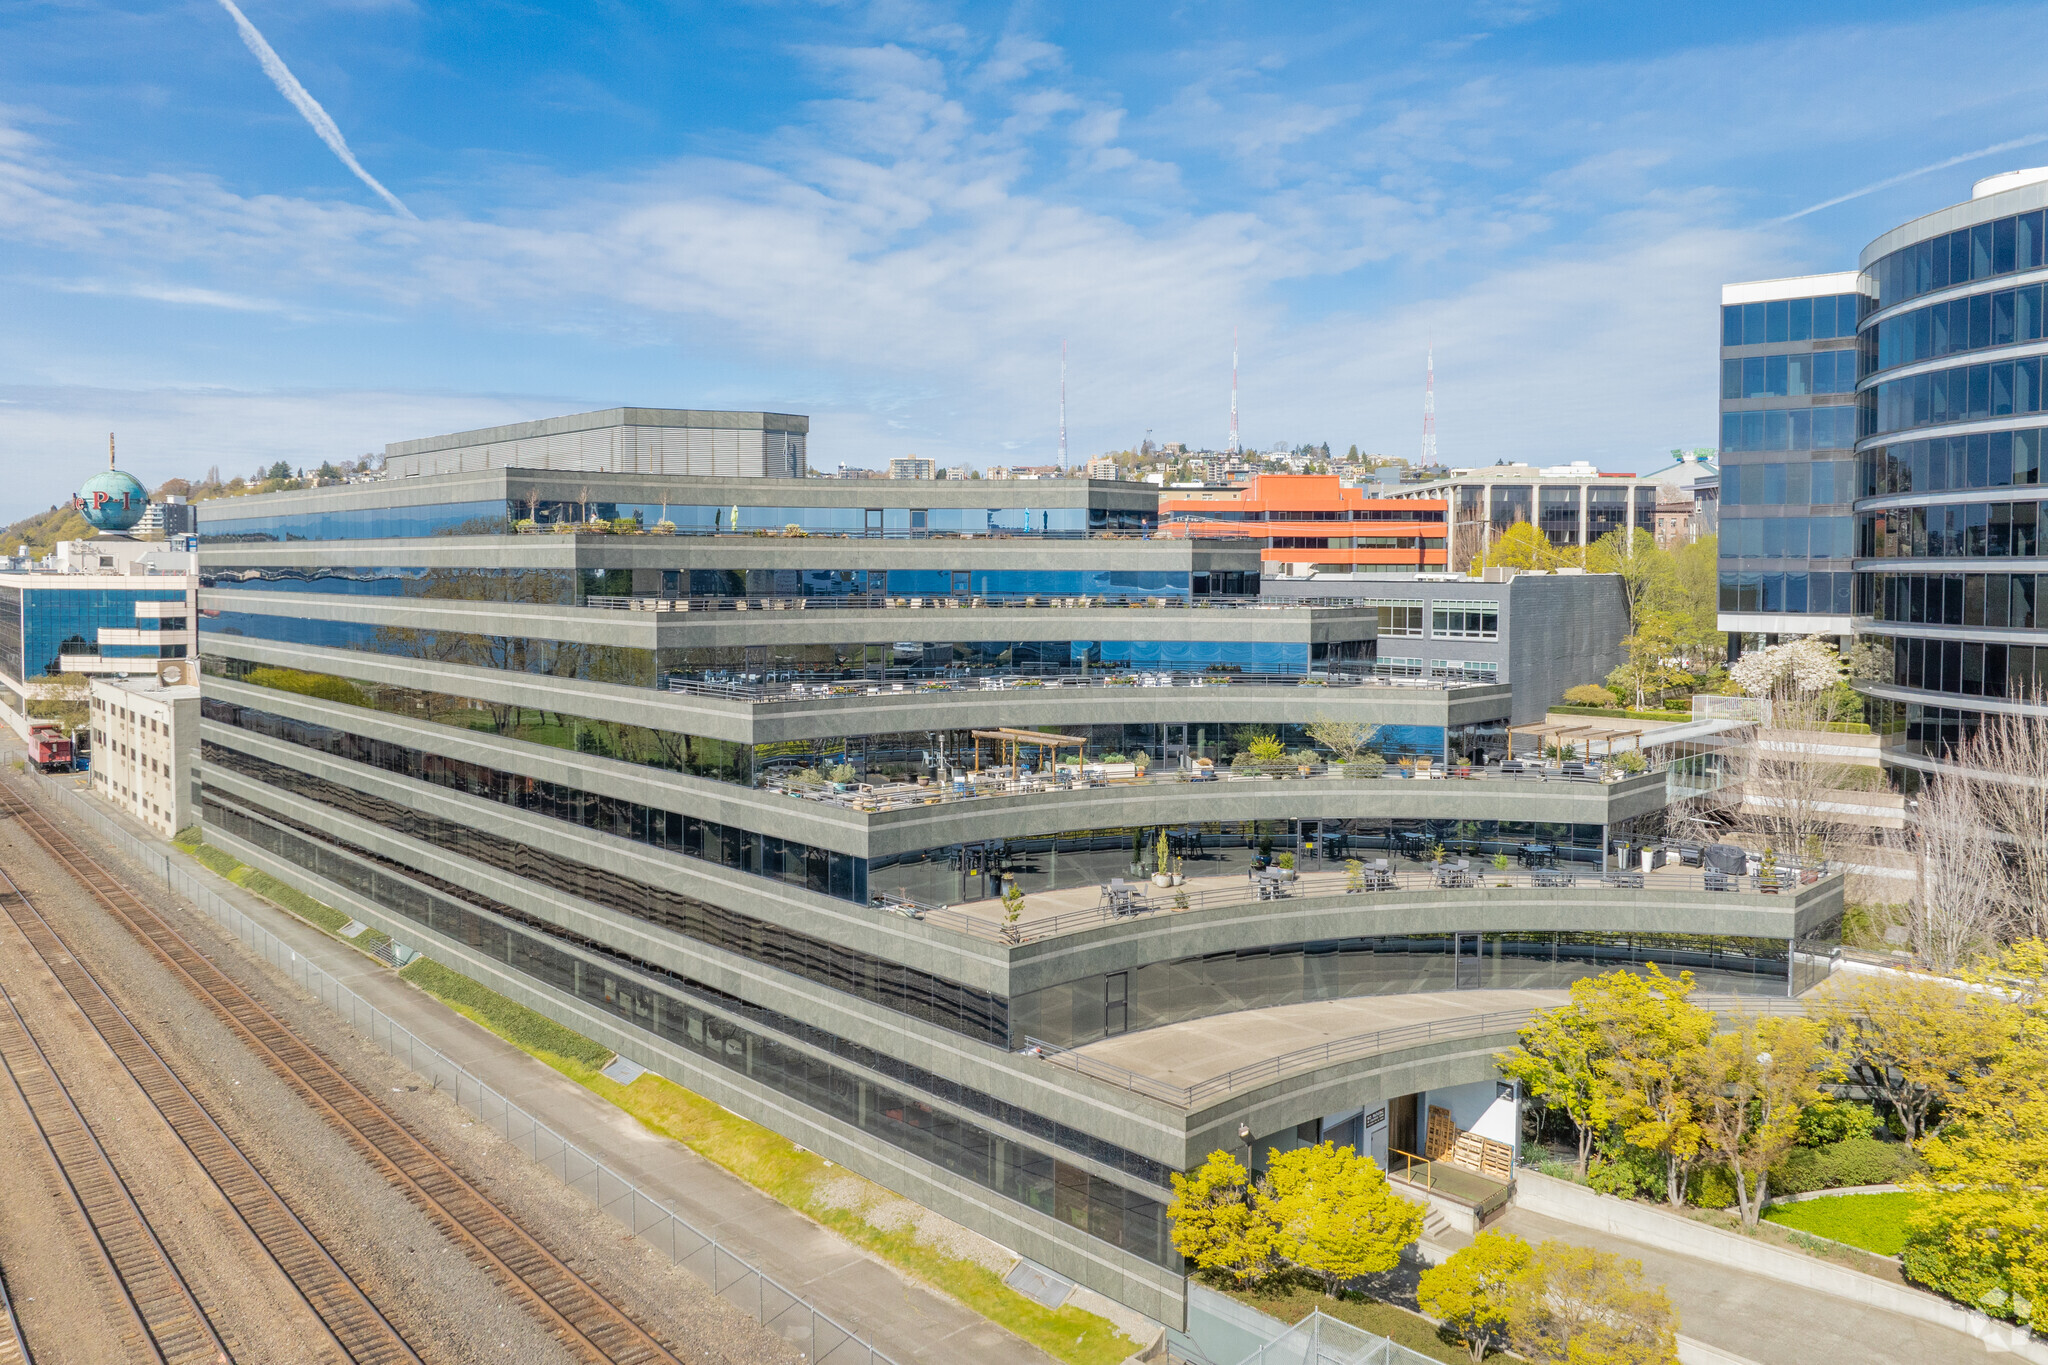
(903,260)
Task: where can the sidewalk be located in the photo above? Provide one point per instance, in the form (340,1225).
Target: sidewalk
(1762,1319)
(903,1318)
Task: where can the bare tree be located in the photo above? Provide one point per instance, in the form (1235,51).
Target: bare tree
(1792,786)
(2006,766)
(1959,899)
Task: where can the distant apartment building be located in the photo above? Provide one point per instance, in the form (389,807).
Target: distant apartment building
(911,467)
(1572,504)
(1309,524)
(168,516)
(1103,467)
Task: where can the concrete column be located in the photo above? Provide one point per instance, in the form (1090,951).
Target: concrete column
(1585,496)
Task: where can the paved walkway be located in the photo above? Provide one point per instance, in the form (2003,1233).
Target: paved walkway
(902,1318)
(1762,1319)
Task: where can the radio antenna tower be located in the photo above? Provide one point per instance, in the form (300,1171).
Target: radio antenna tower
(1429,411)
(1063,406)
(1235,448)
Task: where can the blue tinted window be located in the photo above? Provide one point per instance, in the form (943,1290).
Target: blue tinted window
(1731,325)
(1775,368)
(218,525)
(1778,320)
(1752,324)
(1753,371)
(1802,319)
(1774,484)
(1824,481)
(54,622)
(1731,484)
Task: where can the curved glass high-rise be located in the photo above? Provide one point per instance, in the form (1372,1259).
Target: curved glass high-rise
(1950,517)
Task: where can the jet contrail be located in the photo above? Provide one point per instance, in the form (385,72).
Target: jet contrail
(1902,179)
(288,86)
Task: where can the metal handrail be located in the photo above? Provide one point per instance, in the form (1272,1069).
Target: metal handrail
(872,799)
(900,601)
(1344,1049)
(1154,900)
(584,528)
(906,681)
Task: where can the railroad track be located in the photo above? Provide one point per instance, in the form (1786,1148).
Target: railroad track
(174,1328)
(354,1325)
(13,1347)
(572,1310)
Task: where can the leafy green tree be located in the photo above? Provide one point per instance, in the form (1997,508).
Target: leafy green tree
(1571,1305)
(1651,1027)
(1523,546)
(1751,1085)
(1472,1291)
(1982,1236)
(1696,586)
(1216,1225)
(1650,665)
(1561,1062)
(1911,1039)
(280,470)
(1335,1215)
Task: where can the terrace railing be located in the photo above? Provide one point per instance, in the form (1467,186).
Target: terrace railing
(1143,900)
(897,681)
(1372,1044)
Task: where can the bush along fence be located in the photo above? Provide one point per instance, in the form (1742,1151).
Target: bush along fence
(780,1310)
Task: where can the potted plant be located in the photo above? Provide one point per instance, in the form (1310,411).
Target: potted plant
(1162,859)
(663,528)
(1285,862)
(1013,907)
(1354,876)
(1500,866)
(1305,761)
(842,775)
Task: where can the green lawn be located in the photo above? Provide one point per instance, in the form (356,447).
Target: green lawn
(1875,1222)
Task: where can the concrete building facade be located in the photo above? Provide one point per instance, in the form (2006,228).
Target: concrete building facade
(145,746)
(741,804)
(670,441)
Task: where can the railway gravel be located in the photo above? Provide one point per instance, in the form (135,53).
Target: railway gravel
(448,1308)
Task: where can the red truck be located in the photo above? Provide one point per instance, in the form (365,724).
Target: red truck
(48,748)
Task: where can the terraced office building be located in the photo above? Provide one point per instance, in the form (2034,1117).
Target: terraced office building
(730,774)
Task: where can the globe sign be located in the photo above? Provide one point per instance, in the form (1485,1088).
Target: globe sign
(111,500)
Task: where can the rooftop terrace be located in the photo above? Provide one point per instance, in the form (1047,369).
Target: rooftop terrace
(1050,914)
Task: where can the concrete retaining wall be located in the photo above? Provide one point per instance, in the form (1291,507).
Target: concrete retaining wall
(1571,1203)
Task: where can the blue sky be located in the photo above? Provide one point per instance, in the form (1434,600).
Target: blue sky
(889,215)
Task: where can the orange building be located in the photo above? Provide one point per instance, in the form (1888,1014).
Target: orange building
(1312,522)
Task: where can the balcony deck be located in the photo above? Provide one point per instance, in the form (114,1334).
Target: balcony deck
(1047,914)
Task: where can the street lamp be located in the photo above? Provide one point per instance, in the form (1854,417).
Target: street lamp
(1244,1135)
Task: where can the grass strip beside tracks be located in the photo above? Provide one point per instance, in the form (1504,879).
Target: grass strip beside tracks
(319,914)
(779,1168)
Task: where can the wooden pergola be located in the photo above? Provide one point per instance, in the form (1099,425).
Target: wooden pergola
(1008,741)
(1545,732)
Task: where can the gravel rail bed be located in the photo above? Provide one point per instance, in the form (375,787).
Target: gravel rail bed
(445,1305)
